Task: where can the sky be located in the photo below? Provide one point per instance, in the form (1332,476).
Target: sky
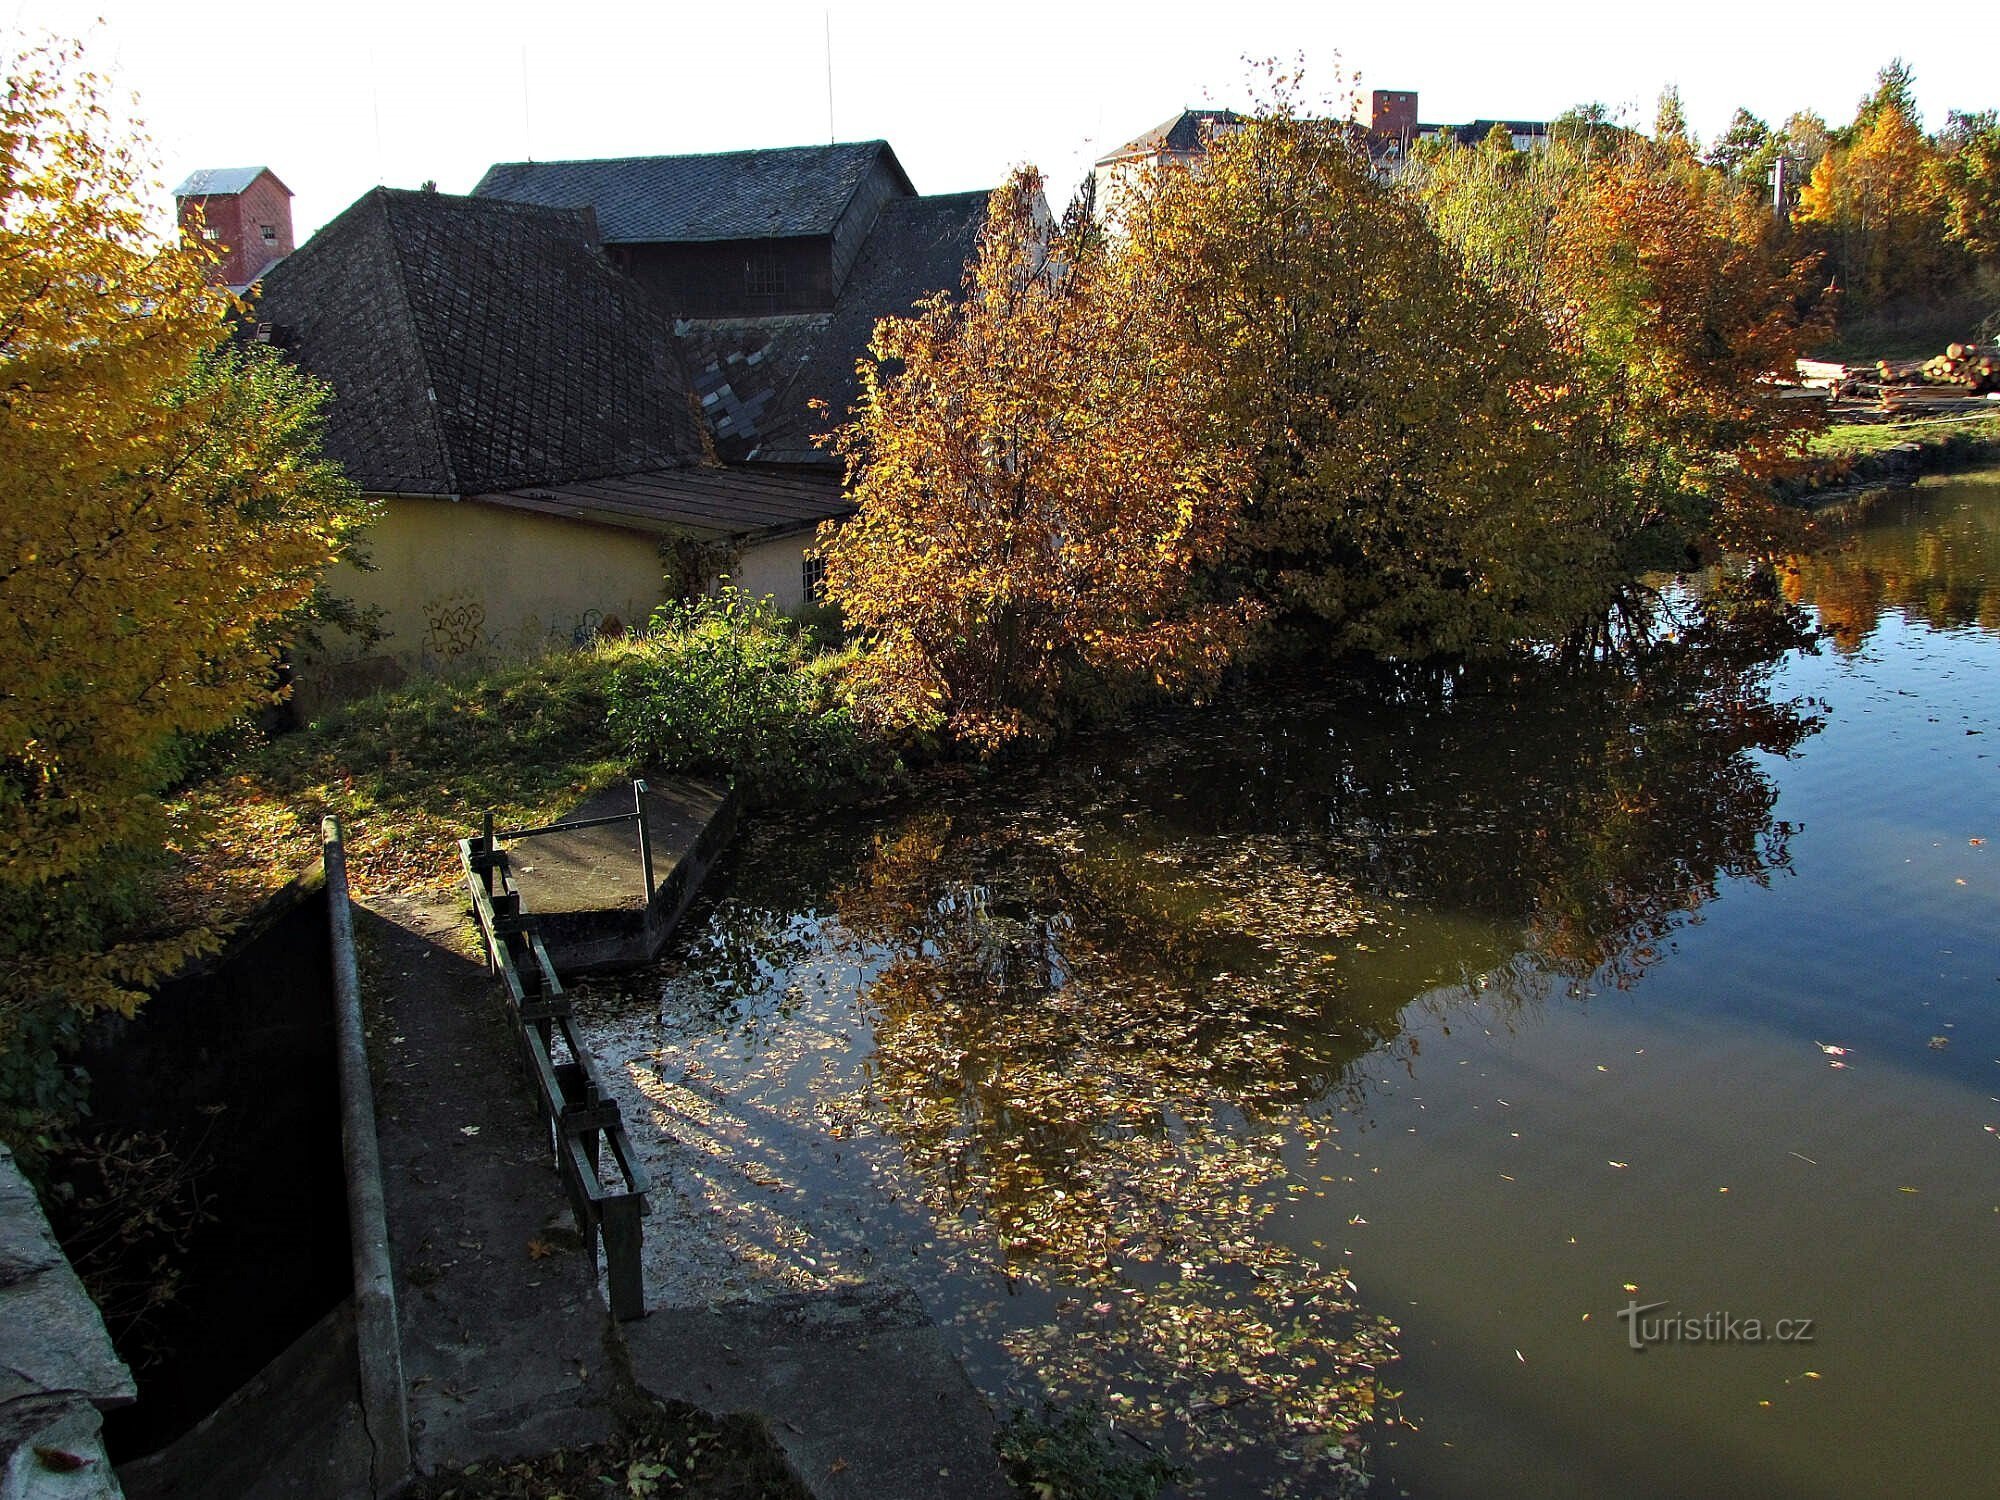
(337,98)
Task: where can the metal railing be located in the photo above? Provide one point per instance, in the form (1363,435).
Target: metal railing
(582,1116)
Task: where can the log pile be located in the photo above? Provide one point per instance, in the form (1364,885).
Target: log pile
(1971,369)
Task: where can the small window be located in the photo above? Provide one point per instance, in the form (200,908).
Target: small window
(211,235)
(815,578)
(763,276)
(270,233)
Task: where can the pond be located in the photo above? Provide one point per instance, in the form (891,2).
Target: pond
(1414,1046)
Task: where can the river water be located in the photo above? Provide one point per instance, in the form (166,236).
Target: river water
(1340,1069)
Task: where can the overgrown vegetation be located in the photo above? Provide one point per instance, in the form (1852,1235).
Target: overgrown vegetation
(1070,1455)
(660,1452)
(725,685)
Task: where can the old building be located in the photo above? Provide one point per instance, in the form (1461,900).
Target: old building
(1182,140)
(727,234)
(520,405)
(245,213)
(774,266)
(1174,144)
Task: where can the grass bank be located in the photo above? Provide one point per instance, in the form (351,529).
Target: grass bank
(1852,457)
(725,688)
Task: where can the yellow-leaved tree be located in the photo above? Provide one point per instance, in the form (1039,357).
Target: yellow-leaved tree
(164,509)
(1037,489)
(1405,429)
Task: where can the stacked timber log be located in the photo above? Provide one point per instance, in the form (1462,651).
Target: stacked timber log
(1973,369)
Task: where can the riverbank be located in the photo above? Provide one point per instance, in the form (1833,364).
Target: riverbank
(1852,458)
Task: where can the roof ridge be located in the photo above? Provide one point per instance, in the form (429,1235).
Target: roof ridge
(381,198)
(603,161)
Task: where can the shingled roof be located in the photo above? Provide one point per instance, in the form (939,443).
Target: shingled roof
(475,345)
(729,195)
(757,378)
(1187,131)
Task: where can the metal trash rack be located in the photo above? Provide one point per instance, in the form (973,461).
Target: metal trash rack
(581,1115)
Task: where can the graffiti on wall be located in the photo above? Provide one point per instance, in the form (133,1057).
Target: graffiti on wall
(454,627)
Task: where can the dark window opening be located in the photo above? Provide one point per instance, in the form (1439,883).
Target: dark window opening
(763,276)
(815,578)
(270,233)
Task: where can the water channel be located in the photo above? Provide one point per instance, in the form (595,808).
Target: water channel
(1373,1045)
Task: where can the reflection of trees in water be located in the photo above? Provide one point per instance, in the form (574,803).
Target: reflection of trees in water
(1932,555)
(1114,991)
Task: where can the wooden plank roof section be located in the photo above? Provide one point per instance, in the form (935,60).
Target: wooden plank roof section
(709,504)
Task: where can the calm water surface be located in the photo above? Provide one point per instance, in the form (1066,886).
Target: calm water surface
(1383,1042)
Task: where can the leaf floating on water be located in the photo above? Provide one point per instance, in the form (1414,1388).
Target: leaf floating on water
(1832,1051)
(1939,1043)
(1621,1165)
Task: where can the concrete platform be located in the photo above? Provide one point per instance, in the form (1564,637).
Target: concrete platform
(587,889)
(858,1388)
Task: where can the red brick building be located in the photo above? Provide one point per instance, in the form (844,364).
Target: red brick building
(246,212)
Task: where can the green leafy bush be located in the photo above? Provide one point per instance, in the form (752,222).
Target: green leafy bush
(1068,1456)
(728,686)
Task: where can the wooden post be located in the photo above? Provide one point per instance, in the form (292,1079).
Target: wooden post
(618,1221)
(645,836)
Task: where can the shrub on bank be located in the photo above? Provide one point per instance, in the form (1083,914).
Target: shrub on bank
(727,686)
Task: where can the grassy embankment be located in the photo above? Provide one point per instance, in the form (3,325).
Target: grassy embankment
(724,688)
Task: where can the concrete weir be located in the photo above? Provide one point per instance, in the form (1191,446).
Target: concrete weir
(587,886)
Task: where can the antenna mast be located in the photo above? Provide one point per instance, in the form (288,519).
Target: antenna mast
(527,125)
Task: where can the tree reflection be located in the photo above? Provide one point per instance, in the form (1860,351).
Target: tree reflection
(1122,1001)
(1932,555)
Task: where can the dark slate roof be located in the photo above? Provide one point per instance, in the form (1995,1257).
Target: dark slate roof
(757,377)
(476,345)
(731,195)
(1478,130)
(709,504)
(217,181)
(1186,131)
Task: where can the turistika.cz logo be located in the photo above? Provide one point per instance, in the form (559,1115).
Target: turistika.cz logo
(1646,1325)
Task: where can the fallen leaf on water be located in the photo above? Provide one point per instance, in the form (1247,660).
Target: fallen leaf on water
(1830,1050)
(540,1249)
(1631,1286)
(1939,1043)
(1621,1165)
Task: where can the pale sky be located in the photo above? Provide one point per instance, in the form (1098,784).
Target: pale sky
(339,97)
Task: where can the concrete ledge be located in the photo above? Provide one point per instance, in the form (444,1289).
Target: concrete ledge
(859,1389)
(378,1344)
(293,1430)
(57,1367)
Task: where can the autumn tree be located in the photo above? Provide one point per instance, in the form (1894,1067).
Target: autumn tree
(1744,150)
(1670,126)
(1877,206)
(163,507)
(1401,423)
(1036,489)
(1680,300)
(1968,175)
(1671,298)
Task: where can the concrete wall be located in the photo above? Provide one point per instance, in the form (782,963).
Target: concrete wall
(776,568)
(461,585)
